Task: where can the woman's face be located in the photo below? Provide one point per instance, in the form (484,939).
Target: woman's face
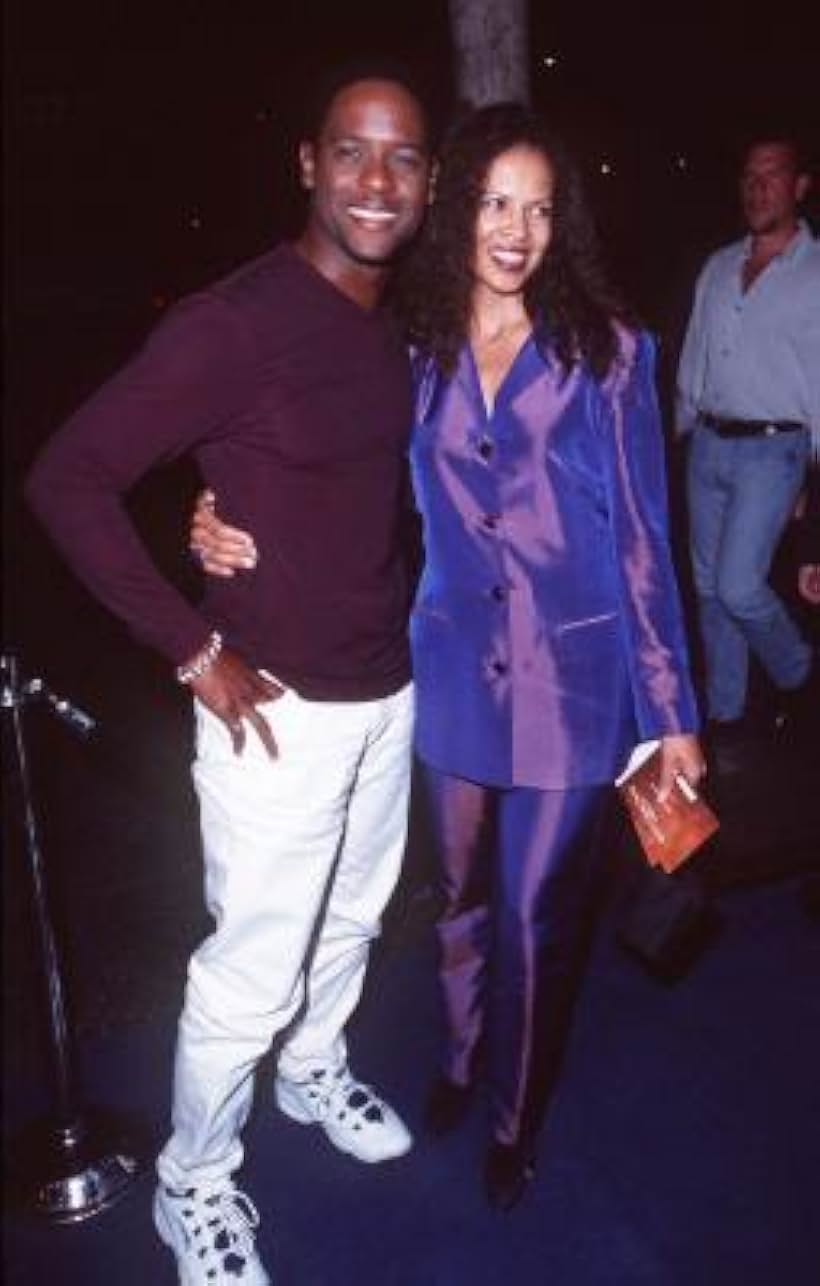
(514,222)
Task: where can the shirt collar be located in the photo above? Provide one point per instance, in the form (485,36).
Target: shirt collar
(797,247)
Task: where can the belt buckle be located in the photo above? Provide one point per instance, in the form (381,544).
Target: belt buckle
(770,430)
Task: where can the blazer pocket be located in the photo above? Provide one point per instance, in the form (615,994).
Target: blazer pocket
(589,659)
(568,628)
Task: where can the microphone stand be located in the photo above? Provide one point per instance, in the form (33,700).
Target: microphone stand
(74,1163)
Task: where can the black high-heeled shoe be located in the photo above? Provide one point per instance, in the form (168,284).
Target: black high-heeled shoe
(447,1105)
(508,1168)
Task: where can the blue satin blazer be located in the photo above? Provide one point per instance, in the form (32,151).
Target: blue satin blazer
(547,632)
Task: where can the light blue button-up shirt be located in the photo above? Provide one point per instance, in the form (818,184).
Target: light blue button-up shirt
(755,355)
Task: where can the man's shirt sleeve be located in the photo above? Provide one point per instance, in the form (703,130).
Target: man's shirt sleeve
(184,387)
(692,365)
(808,353)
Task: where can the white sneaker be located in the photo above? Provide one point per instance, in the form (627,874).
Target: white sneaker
(351,1115)
(211,1231)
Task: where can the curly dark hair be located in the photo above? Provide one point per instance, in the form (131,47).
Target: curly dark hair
(569,293)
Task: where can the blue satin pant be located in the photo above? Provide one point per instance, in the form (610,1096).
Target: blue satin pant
(518,873)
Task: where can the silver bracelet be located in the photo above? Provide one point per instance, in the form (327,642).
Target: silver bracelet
(202,661)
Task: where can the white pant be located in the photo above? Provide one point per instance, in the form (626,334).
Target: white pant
(326,819)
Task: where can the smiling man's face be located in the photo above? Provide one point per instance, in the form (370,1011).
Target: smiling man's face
(368,173)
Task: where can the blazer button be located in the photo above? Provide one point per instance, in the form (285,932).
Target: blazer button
(490,521)
(499,593)
(485,447)
(499,667)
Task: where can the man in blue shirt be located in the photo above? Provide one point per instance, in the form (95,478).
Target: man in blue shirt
(749,395)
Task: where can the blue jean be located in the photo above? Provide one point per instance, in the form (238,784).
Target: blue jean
(741,492)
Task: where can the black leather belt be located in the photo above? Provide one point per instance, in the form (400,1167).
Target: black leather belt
(749,428)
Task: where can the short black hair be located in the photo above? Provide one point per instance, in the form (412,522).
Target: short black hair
(366,67)
(779,134)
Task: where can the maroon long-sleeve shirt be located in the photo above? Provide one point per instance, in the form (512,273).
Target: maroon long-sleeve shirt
(296,404)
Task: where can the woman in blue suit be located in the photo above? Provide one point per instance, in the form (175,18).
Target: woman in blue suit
(547,634)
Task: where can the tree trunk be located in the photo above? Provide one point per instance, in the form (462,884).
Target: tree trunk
(492,49)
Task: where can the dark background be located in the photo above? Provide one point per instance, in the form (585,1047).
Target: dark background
(150,145)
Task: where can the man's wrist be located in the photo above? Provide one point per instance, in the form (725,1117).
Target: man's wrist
(202,660)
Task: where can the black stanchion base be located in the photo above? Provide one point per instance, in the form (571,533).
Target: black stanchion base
(69,1173)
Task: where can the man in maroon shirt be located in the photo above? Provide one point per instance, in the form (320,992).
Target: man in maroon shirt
(291,387)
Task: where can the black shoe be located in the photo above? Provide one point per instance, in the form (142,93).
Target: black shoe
(447,1106)
(508,1168)
(726,732)
(731,743)
(798,709)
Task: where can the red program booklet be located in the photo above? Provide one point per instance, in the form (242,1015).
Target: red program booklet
(669,831)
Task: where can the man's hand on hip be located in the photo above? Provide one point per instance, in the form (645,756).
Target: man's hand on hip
(231,690)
